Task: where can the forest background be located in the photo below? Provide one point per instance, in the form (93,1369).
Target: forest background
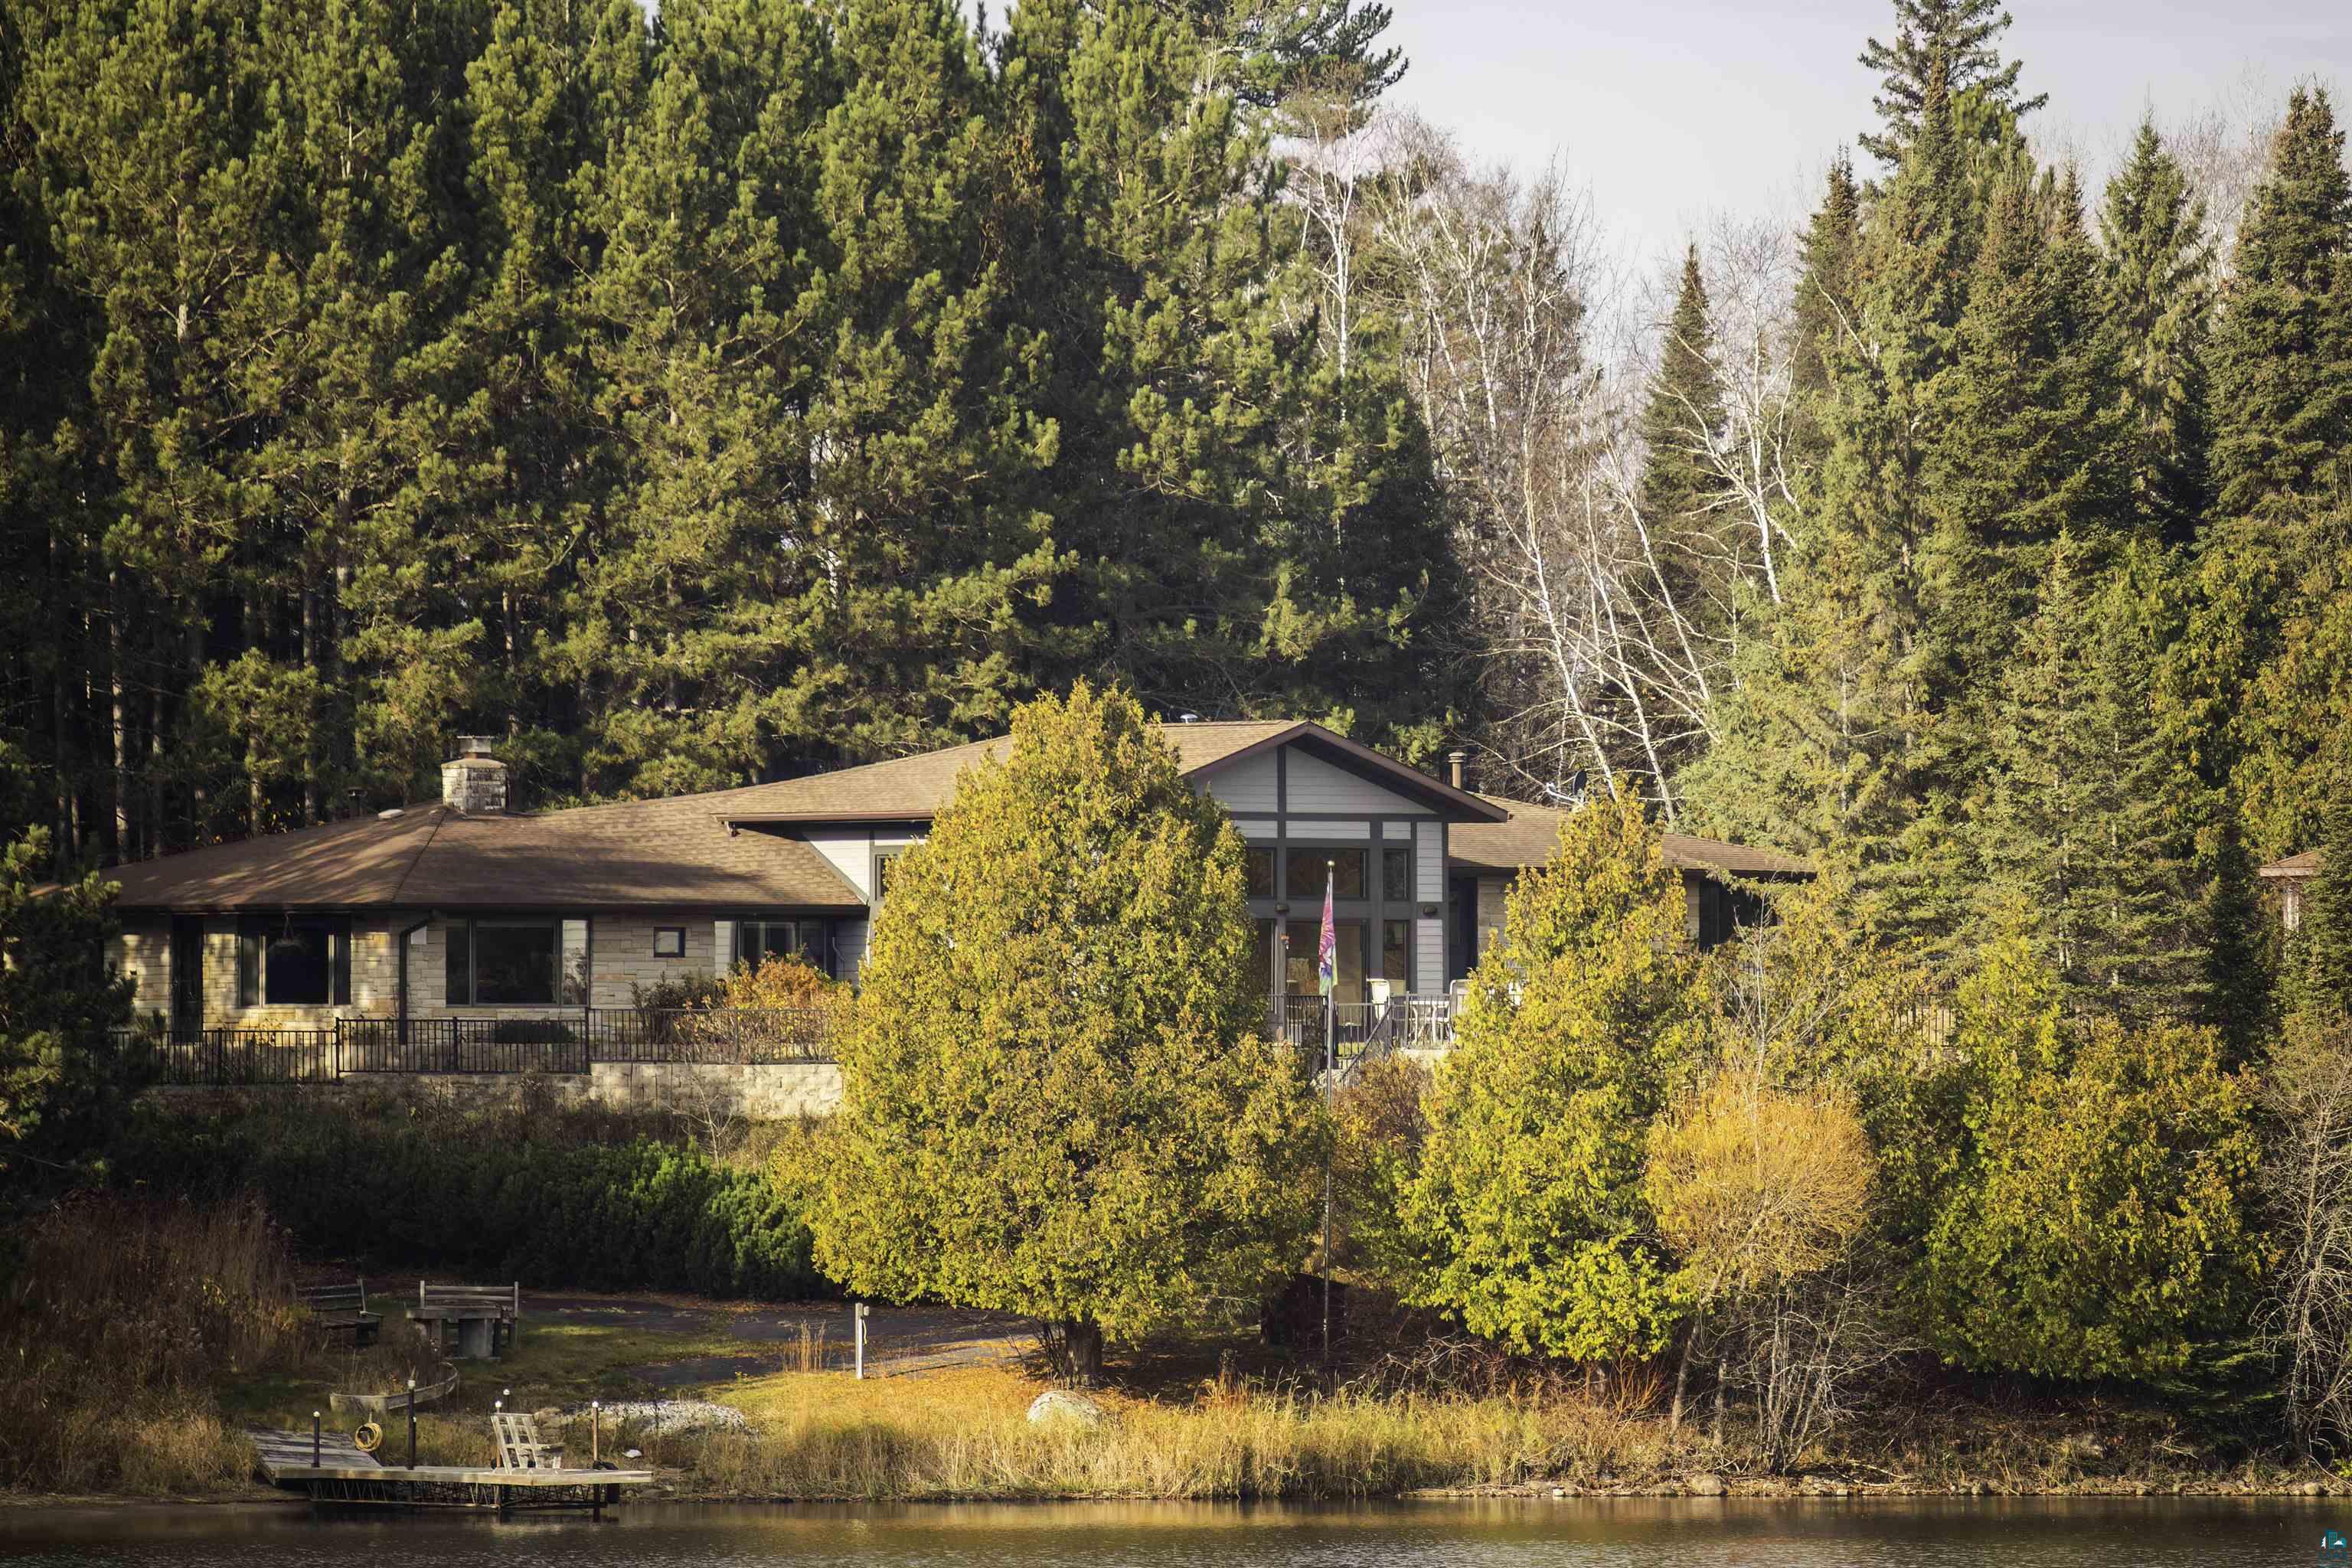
(763,387)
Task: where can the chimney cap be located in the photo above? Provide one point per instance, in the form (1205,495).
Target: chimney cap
(476,745)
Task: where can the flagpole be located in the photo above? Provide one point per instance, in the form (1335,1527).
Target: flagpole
(1330,1074)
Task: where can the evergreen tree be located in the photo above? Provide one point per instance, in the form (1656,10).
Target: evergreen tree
(1527,1211)
(1274,49)
(1941,47)
(67,1078)
(2079,822)
(1679,421)
(2158,294)
(1683,409)
(2027,444)
(2090,1225)
(1824,308)
(1253,528)
(2322,945)
(2241,956)
(160,110)
(1110,1137)
(687,609)
(452,610)
(2283,356)
(1828,743)
(2271,564)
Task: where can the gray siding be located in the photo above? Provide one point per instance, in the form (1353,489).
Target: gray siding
(1429,935)
(1316,785)
(1246,786)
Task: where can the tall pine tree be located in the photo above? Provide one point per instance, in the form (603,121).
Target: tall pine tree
(2272,567)
(1942,47)
(2158,259)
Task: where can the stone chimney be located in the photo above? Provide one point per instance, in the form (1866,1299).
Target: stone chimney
(1455,768)
(476,782)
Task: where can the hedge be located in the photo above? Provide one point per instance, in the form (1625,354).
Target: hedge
(436,1191)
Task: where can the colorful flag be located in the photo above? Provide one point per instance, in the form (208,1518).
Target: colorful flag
(1327,951)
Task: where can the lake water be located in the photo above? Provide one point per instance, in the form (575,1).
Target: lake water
(1587,1533)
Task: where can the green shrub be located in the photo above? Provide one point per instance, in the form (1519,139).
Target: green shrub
(440,1189)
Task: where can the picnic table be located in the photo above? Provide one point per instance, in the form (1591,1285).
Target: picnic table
(467,1322)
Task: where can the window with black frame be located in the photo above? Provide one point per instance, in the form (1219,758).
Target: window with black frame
(1305,872)
(1396,875)
(505,961)
(294,962)
(801,938)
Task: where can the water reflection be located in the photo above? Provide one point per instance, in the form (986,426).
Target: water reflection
(1512,1533)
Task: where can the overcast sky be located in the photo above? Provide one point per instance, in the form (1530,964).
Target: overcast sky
(1668,111)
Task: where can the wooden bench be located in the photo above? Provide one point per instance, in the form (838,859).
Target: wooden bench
(468,1321)
(518,1445)
(341,1308)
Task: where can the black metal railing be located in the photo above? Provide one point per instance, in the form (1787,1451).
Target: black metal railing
(1363,1031)
(568,1042)
(234,1057)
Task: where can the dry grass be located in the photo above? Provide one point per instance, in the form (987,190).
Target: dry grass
(120,1318)
(964,1434)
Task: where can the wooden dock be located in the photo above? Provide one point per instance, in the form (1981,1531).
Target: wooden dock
(345,1475)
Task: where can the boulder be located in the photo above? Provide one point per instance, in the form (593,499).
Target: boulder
(1706,1485)
(1061,1404)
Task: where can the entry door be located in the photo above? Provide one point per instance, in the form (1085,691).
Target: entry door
(187,975)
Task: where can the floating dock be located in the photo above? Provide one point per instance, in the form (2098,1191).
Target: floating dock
(342,1474)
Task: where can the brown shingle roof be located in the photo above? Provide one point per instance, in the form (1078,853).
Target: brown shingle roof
(2294,868)
(636,852)
(1527,839)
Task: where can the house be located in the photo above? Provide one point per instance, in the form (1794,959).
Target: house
(468,908)
(2288,878)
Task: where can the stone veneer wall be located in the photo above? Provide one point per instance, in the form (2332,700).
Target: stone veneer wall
(621,955)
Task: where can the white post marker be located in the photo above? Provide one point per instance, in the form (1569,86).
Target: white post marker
(857,1318)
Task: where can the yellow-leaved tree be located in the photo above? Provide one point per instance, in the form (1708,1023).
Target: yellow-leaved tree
(1059,1097)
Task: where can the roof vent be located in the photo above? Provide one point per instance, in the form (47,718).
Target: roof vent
(1455,762)
(387,815)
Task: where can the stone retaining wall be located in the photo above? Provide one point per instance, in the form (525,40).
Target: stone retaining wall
(769,1092)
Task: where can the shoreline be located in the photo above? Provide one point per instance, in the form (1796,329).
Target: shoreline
(1691,1487)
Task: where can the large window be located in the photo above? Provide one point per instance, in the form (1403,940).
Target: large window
(1257,871)
(759,937)
(1396,875)
(1304,870)
(294,963)
(1723,912)
(516,960)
